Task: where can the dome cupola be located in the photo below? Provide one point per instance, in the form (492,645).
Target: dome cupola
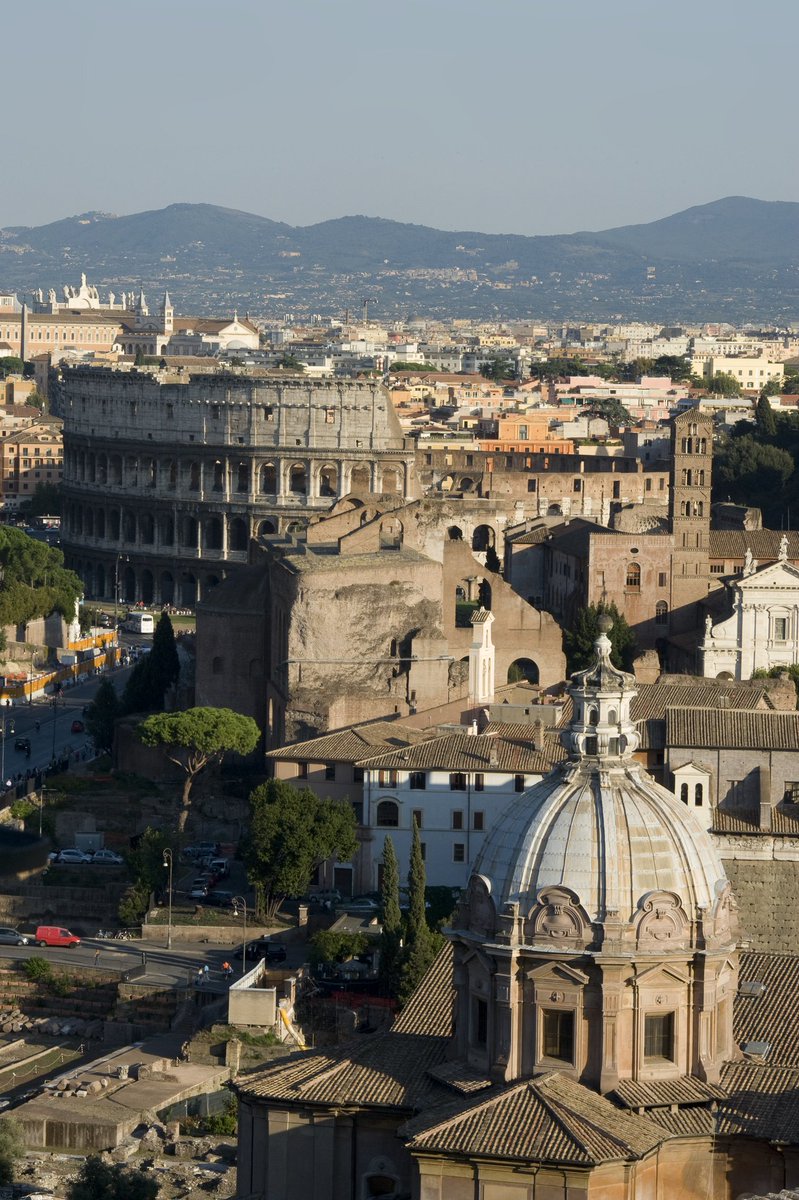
(597,905)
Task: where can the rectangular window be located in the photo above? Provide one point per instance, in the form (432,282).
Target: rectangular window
(386,778)
(457,782)
(478,819)
(659,1037)
(416,815)
(357,774)
(418,781)
(459,852)
(532,485)
(330,771)
(479,781)
(577,485)
(662,579)
(717,568)
(302,770)
(558,1035)
(457,819)
(479,1021)
(616,489)
(791,793)
(780,629)
(518,783)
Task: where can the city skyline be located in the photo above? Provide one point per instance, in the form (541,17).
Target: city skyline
(456,116)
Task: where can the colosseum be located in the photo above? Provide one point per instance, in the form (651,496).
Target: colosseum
(170,474)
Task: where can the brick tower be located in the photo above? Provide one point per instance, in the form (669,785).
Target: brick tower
(689,514)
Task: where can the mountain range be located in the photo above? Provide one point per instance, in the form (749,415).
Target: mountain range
(735,259)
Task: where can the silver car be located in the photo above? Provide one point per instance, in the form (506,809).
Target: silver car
(12,937)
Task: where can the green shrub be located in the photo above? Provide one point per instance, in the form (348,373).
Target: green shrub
(133,905)
(327,946)
(38,969)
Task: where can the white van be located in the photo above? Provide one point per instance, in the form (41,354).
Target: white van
(139,622)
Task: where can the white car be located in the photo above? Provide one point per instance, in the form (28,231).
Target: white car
(73,855)
(108,858)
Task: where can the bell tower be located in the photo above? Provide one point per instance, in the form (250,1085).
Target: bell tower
(689,515)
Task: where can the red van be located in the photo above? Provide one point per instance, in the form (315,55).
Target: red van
(54,935)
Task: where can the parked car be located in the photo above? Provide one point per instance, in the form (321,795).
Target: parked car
(220,867)
(263,948)
(364,904)
(199,889)
(23,743)
(78,726)
(72,855)
(55,935)
(12,937)
(219,899)
(105,621)
(108,858)
(327,898)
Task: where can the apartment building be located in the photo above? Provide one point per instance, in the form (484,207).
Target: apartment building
(29,458)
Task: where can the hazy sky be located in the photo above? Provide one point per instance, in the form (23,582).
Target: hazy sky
(498,116)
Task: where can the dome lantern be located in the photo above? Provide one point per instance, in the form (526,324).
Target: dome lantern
(601,696)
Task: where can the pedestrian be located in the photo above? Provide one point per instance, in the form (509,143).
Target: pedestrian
(97,957)
(206,973)
(200,977)
(227,970)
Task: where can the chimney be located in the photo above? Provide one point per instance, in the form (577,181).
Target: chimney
(538,734)
(493,757)
(473,728)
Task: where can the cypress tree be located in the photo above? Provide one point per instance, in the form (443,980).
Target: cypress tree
(421,944)
(391,942)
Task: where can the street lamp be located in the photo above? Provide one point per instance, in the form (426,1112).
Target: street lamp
(240,903)
(119,559)
(168,863)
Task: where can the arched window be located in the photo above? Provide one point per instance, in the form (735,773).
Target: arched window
(699,795)
(684,792)
(455,533)
(593,716)
(297,479)
(661,613)
(218,484)
(633,575)
(268,479)
(482,538)
(238,534)
(243,477)
(387,815)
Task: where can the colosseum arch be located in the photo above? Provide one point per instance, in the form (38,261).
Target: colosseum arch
(242,477)
(193,476)
(128,525)
(392,479)
(188,589)
(238,537)
(171,474)
(146,586)
(328,480)
(131,470)
(147,528)
(298,479)
(212,534)
(102,468)
(267,479)
(266,528)
(167,588)
(166,529)
(188,531)
(115,470)
(391,533)
(218,476)
(360,479)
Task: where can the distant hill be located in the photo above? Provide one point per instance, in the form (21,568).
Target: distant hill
(734,259)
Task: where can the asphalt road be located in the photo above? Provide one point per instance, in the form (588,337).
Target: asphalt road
(54,736)
(175,967)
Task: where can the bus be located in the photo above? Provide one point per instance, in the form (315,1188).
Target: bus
(139,622)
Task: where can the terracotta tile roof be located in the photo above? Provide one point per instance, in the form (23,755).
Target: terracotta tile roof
(549,1119)
(784,821)
(764,1102)
(650,706)
(460,1077)
(388,1070)
(532,537)
(764,543)
(351,745)
(772,1017)
(707,728)
(662,1093)
(694,1120)
(430,1010)
(476,752)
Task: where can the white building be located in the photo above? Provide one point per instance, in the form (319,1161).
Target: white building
(763,629)
(455,788)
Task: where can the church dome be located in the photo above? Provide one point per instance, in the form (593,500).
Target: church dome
(598,837)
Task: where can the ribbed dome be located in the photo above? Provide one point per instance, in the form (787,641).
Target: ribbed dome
(608,833)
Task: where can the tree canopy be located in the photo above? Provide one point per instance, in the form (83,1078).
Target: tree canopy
(578,641)
(421,943)
(723,384)
(197,737)
(103,1181)
(154,674)
(12,1147)
(612,410)
(292,832)
(102,714)
(35,581)
(749,471)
